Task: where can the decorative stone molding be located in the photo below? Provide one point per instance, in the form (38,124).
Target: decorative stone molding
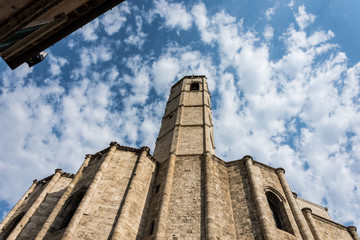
(247,156)
(145,148)
(68,175)
(352,231)
(275,192)
(352,228)
(280,170)
(306,210)
(319,218)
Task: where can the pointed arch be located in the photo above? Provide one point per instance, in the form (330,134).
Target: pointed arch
(11,226)
(69,210)
(278,211)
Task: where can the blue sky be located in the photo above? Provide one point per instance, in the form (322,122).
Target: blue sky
(284,78)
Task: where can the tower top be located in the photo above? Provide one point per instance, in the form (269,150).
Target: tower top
(186,127)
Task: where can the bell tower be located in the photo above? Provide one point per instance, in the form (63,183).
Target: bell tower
(186,127)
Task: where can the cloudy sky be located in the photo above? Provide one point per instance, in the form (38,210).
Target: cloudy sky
(284,78)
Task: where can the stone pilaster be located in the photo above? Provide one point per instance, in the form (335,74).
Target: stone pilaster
(259,200)
(164,208)
(353,233)
(210,212)
(311,222)
(17,205)
(63,199)
(299,217)
(35,205)
(71,228)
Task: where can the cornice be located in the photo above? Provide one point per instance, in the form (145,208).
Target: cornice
(322,219)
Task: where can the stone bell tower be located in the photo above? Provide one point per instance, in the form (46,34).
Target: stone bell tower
(190,184)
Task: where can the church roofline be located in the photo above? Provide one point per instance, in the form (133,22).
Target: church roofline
(193,76)
(126,148)
(255,162)
(329,221)
(63,174)
(311,203)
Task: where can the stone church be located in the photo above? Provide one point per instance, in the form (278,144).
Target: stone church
(182,191)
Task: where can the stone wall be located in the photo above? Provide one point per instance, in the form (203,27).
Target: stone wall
(184,217)
(157,192)
(195,146)
(316,209)
(105,206)
(331,230)
(192,115)
(246,219)
(24,207)
(224,225)
(44,210)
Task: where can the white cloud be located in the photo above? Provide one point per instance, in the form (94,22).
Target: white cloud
(90,56)
(222,28)
(115,19)
(165,70)
(291,3)
(203,23)
(56,63)
(138,37)
(139,80)
(175,14)
(88,32)
(177,62)
(268,33)
(303,18)
(269,13)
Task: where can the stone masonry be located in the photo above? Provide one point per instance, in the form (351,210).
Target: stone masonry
(183,191)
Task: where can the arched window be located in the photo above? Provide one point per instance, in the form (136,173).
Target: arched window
(194,87)
(278,212)
(69,209)
(12,225)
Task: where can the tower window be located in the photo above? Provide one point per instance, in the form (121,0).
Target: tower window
(194,87)
(157,188)
(151,228)
(278,212)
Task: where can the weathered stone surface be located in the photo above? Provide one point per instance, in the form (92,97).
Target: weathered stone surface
(331,230)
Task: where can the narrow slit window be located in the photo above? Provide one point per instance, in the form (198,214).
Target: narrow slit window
(157,188)
(151,228)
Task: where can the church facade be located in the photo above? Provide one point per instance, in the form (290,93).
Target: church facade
(182,191)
